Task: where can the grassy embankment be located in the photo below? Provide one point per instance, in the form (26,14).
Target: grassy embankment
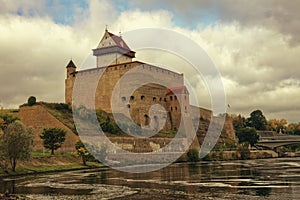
(43,162)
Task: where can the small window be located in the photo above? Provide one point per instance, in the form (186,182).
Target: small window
(160,99)
(165,99)
(171,98)
(185,108)
(175,108)
(171,108)
(154,99)
(175,97)
(184,97)
(123,99)
(142,97)
(131,98)
(128,105)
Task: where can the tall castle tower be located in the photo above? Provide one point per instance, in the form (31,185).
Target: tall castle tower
(111,50)
(69,82)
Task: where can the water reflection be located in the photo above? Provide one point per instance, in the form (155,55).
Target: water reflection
(244,179)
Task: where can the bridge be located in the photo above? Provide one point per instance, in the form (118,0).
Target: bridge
(273,140)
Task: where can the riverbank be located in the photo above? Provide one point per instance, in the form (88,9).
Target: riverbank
(43,163)
(252,154)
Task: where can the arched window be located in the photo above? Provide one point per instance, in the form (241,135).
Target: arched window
(131,98)
(128,105)
(154,99)
(160,99)
(142,97)
(171,108)
(171,98)
(175,97)
(176,108)
(147,120)
(165,99)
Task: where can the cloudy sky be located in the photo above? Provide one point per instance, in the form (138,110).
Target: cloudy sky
(254,44)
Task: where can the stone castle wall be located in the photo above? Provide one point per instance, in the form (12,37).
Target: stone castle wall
(136,87)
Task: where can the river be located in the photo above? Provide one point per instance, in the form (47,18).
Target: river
(248,179)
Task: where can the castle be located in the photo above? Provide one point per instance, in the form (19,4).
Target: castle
(138,103)
(114,61)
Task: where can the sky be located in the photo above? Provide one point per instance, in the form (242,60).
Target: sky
(255,45)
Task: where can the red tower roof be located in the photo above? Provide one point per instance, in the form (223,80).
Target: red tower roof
(179,90)
(119,41)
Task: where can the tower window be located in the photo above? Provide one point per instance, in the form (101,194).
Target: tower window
(160,99)
(175,97)
(123,99)
(175,108)
(171,108)
(142,97)
(147,120)
(171,98)
(128,105)
(165,99)
(131,98)
(154,99)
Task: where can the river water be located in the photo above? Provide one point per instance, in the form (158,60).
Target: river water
(249,179)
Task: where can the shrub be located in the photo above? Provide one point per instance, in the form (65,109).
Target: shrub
(193,155)
(31,101)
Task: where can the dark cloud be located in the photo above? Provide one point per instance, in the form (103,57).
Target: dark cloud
(253,43)
(278,14)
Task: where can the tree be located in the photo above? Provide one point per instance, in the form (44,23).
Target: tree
(277,124)
(193,155)
(31,101)
(238,122)
(257,120)
(53,138)
(82,152)
(16,142)
(247,135)
(6,119)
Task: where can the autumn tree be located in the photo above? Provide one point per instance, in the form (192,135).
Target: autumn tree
(257,120)
(16,142)
(82,152)
(53,138)
(238,122)
(277,124)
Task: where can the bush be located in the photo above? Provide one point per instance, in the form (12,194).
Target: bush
(31,101)
(193,155)
(244,151)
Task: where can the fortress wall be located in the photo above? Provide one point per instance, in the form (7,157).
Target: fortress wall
(39,118)
(133,70)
